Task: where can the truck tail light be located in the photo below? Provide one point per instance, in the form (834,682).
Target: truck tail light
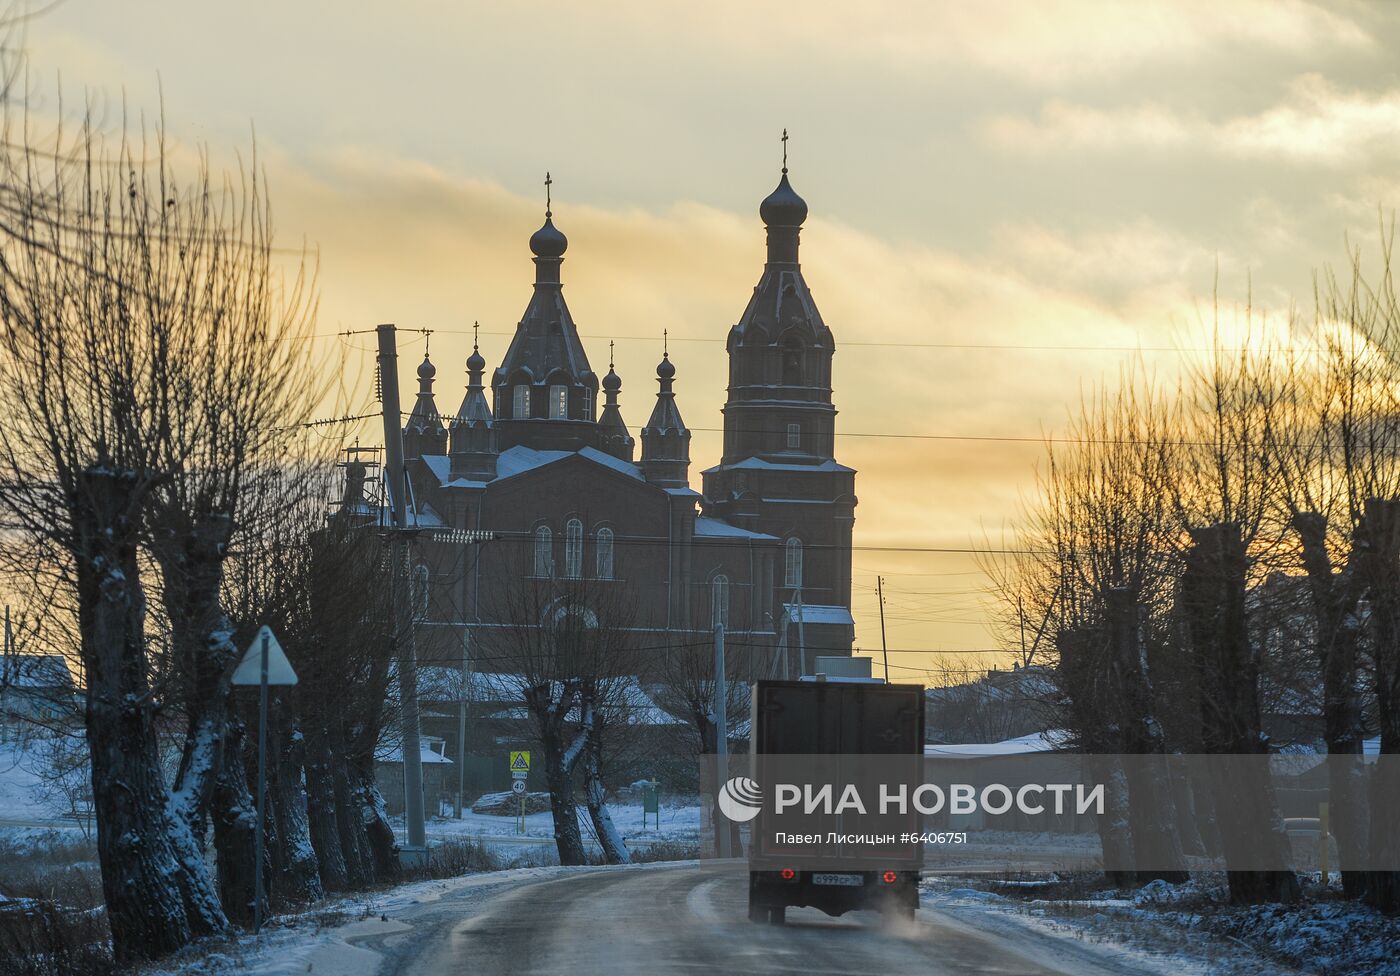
(787,874)
(890,877)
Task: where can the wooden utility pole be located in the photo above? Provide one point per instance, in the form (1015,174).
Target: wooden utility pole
(880,592)
(396,482)
(722,847)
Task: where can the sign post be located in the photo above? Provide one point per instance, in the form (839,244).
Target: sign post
(263,664)
(519,773)
(651,803)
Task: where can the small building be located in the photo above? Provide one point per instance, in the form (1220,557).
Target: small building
(36,687)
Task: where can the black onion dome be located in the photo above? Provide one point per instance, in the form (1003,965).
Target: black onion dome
(475,362)
(426,369)
(612,381)
(665,369)
(783,207)
(549,241)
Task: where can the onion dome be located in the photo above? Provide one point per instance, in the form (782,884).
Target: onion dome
(612,382)
(475,362)
(665,369)
(783,207)
(426,369)
(549,241)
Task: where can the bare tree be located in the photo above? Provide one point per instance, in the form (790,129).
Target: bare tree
(562,644)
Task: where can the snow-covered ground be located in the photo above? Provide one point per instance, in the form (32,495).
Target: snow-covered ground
(678,822)
(1181,930)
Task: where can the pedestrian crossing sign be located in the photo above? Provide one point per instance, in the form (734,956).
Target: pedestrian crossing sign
(519,762)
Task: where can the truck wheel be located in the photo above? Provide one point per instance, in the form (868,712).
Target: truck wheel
(777,915)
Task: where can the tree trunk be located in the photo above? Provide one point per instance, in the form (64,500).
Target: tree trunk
(354,843)
(1212,597)
(297,874)
(1380,535)
(192,564)
(1082,680)
(384,849)
(235,831)
(325,831)
(1151,808)
(558,775)
(1337,628)
(609,838)
(157,898)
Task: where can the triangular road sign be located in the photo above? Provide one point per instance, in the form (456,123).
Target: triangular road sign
(279,669)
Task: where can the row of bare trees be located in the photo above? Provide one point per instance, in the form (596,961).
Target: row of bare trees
(159,502)
(1215,548)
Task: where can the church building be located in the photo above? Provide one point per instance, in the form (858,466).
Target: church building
(538,454)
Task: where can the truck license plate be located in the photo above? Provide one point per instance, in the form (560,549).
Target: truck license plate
(853,880)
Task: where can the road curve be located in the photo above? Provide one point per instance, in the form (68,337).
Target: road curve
(692,919)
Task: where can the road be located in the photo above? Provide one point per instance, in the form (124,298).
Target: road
(691,918)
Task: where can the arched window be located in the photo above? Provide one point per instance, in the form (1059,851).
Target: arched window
(792,567)
(573,549)
(719,601)
(559,402)
(544,551)
(520,409)
(605,554)
(792,362)
(420,591)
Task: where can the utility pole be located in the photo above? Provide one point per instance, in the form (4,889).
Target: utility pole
(462,716)
(880,592)
(1021,618)
(721,735)
(801,634)
(396,482)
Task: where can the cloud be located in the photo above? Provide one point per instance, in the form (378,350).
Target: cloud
(1316,123)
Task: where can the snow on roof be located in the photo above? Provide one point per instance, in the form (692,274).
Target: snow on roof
(718,528)
(36,671)
(813,614)
(608,461)
(440,465)
(443,683)
(758,464)
(395,755)
(1051,740)
(519,459)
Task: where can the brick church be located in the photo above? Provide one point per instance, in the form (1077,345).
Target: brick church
(539,454)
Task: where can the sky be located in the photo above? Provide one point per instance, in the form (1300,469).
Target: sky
(1009,201)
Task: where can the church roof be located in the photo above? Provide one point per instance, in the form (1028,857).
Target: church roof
(758,464)
(520,459)
(710,527)
(546,339)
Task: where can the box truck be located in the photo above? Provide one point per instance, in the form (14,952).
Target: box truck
(837,716)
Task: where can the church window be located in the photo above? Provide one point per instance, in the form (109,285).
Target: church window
(521,407)
(792,362)
(794,436)
(559,403)
(544,551)
(719,601)
(605,553)
(587,404)
(792,568)
(573,549)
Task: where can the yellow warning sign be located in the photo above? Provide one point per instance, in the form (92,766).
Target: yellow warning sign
(520,761)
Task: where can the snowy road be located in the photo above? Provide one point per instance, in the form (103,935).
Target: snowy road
(691,919)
